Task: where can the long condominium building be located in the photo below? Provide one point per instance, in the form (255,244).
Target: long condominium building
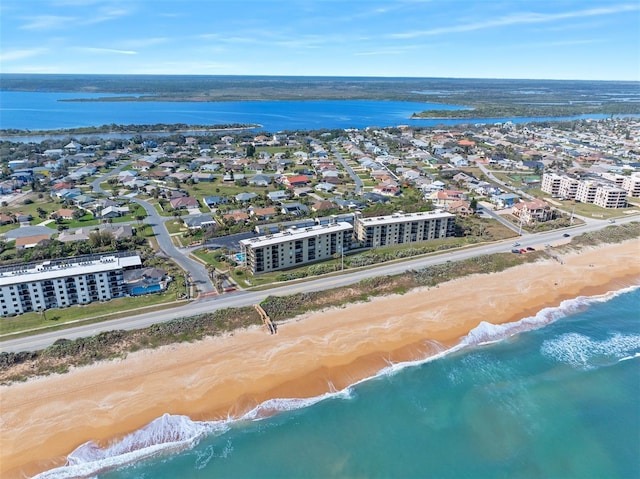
(295,247)
(403,228)
(606,194)
(64,282)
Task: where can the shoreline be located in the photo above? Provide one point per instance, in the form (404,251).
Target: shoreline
(311,355)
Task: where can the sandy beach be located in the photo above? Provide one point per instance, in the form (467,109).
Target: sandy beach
(44,419)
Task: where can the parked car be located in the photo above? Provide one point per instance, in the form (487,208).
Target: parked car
(523,250)
(530,248)
(515,250)
(566,235)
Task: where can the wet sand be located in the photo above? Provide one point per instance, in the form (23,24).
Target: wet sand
(44,419)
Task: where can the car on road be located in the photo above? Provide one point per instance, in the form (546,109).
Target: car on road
(566,235)
(612,221)
(516,244)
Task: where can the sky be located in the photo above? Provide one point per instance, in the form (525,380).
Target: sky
(541,39)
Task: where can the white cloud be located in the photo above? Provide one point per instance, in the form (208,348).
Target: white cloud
(106,50)
(20,54)
(107,14)
(47,22)
(519,19)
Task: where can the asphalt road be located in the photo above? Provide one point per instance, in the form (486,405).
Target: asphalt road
(197,271)
(245,298)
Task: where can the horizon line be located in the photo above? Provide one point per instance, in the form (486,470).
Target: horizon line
(309,76)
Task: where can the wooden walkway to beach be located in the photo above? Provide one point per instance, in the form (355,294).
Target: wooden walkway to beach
(273,329)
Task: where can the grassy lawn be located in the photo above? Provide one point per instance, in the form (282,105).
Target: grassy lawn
(592,211)
(174,226)
(46,203)
(97,311)
(201,190)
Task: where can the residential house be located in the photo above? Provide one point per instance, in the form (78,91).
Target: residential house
(245,197)
(295,181)
(184,203)
(27,242)
(531,212)
(64,213)
(265,213)
(296,209)
(322,205)
(199,221)
(215,201)
(238,216)
(260,180)
(460,207)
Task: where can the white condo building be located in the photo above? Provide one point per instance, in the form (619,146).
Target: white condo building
(295,247)
(632,185)
(403,228)
(64,282)
(611,193)
(610,197)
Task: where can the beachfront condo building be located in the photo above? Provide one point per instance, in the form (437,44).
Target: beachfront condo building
(295,247)
(299,246)
(632,184)
(551,184)
(402,228)
(609,192)
(608,196)
(64,282)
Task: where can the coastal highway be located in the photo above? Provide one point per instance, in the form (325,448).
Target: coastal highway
(246,298)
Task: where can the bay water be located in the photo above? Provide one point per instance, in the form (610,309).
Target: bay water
(553,396)
(49,110)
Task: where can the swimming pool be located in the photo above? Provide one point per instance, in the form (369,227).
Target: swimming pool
(152,288)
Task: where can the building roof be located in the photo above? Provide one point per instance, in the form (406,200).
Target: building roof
(405,217)
(295,234)
(67,267)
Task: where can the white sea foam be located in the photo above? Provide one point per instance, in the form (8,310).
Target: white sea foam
(168,433)
(171,433)
(583,352)
(486,333)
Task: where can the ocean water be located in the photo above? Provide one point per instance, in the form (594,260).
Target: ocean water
(551,396)
(44,110)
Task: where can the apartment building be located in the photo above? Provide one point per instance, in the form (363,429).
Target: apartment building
(64,282)
(295,247)
(611,192)
(608,196)
(402,228)
(586,192)
(551,183)
(632,185)
(568,188)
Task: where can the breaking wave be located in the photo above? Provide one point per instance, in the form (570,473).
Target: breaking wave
(583,352)
(173,433)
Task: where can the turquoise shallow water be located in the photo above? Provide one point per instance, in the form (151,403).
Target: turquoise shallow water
(559,399)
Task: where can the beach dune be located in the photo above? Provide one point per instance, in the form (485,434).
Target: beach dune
(44,419)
